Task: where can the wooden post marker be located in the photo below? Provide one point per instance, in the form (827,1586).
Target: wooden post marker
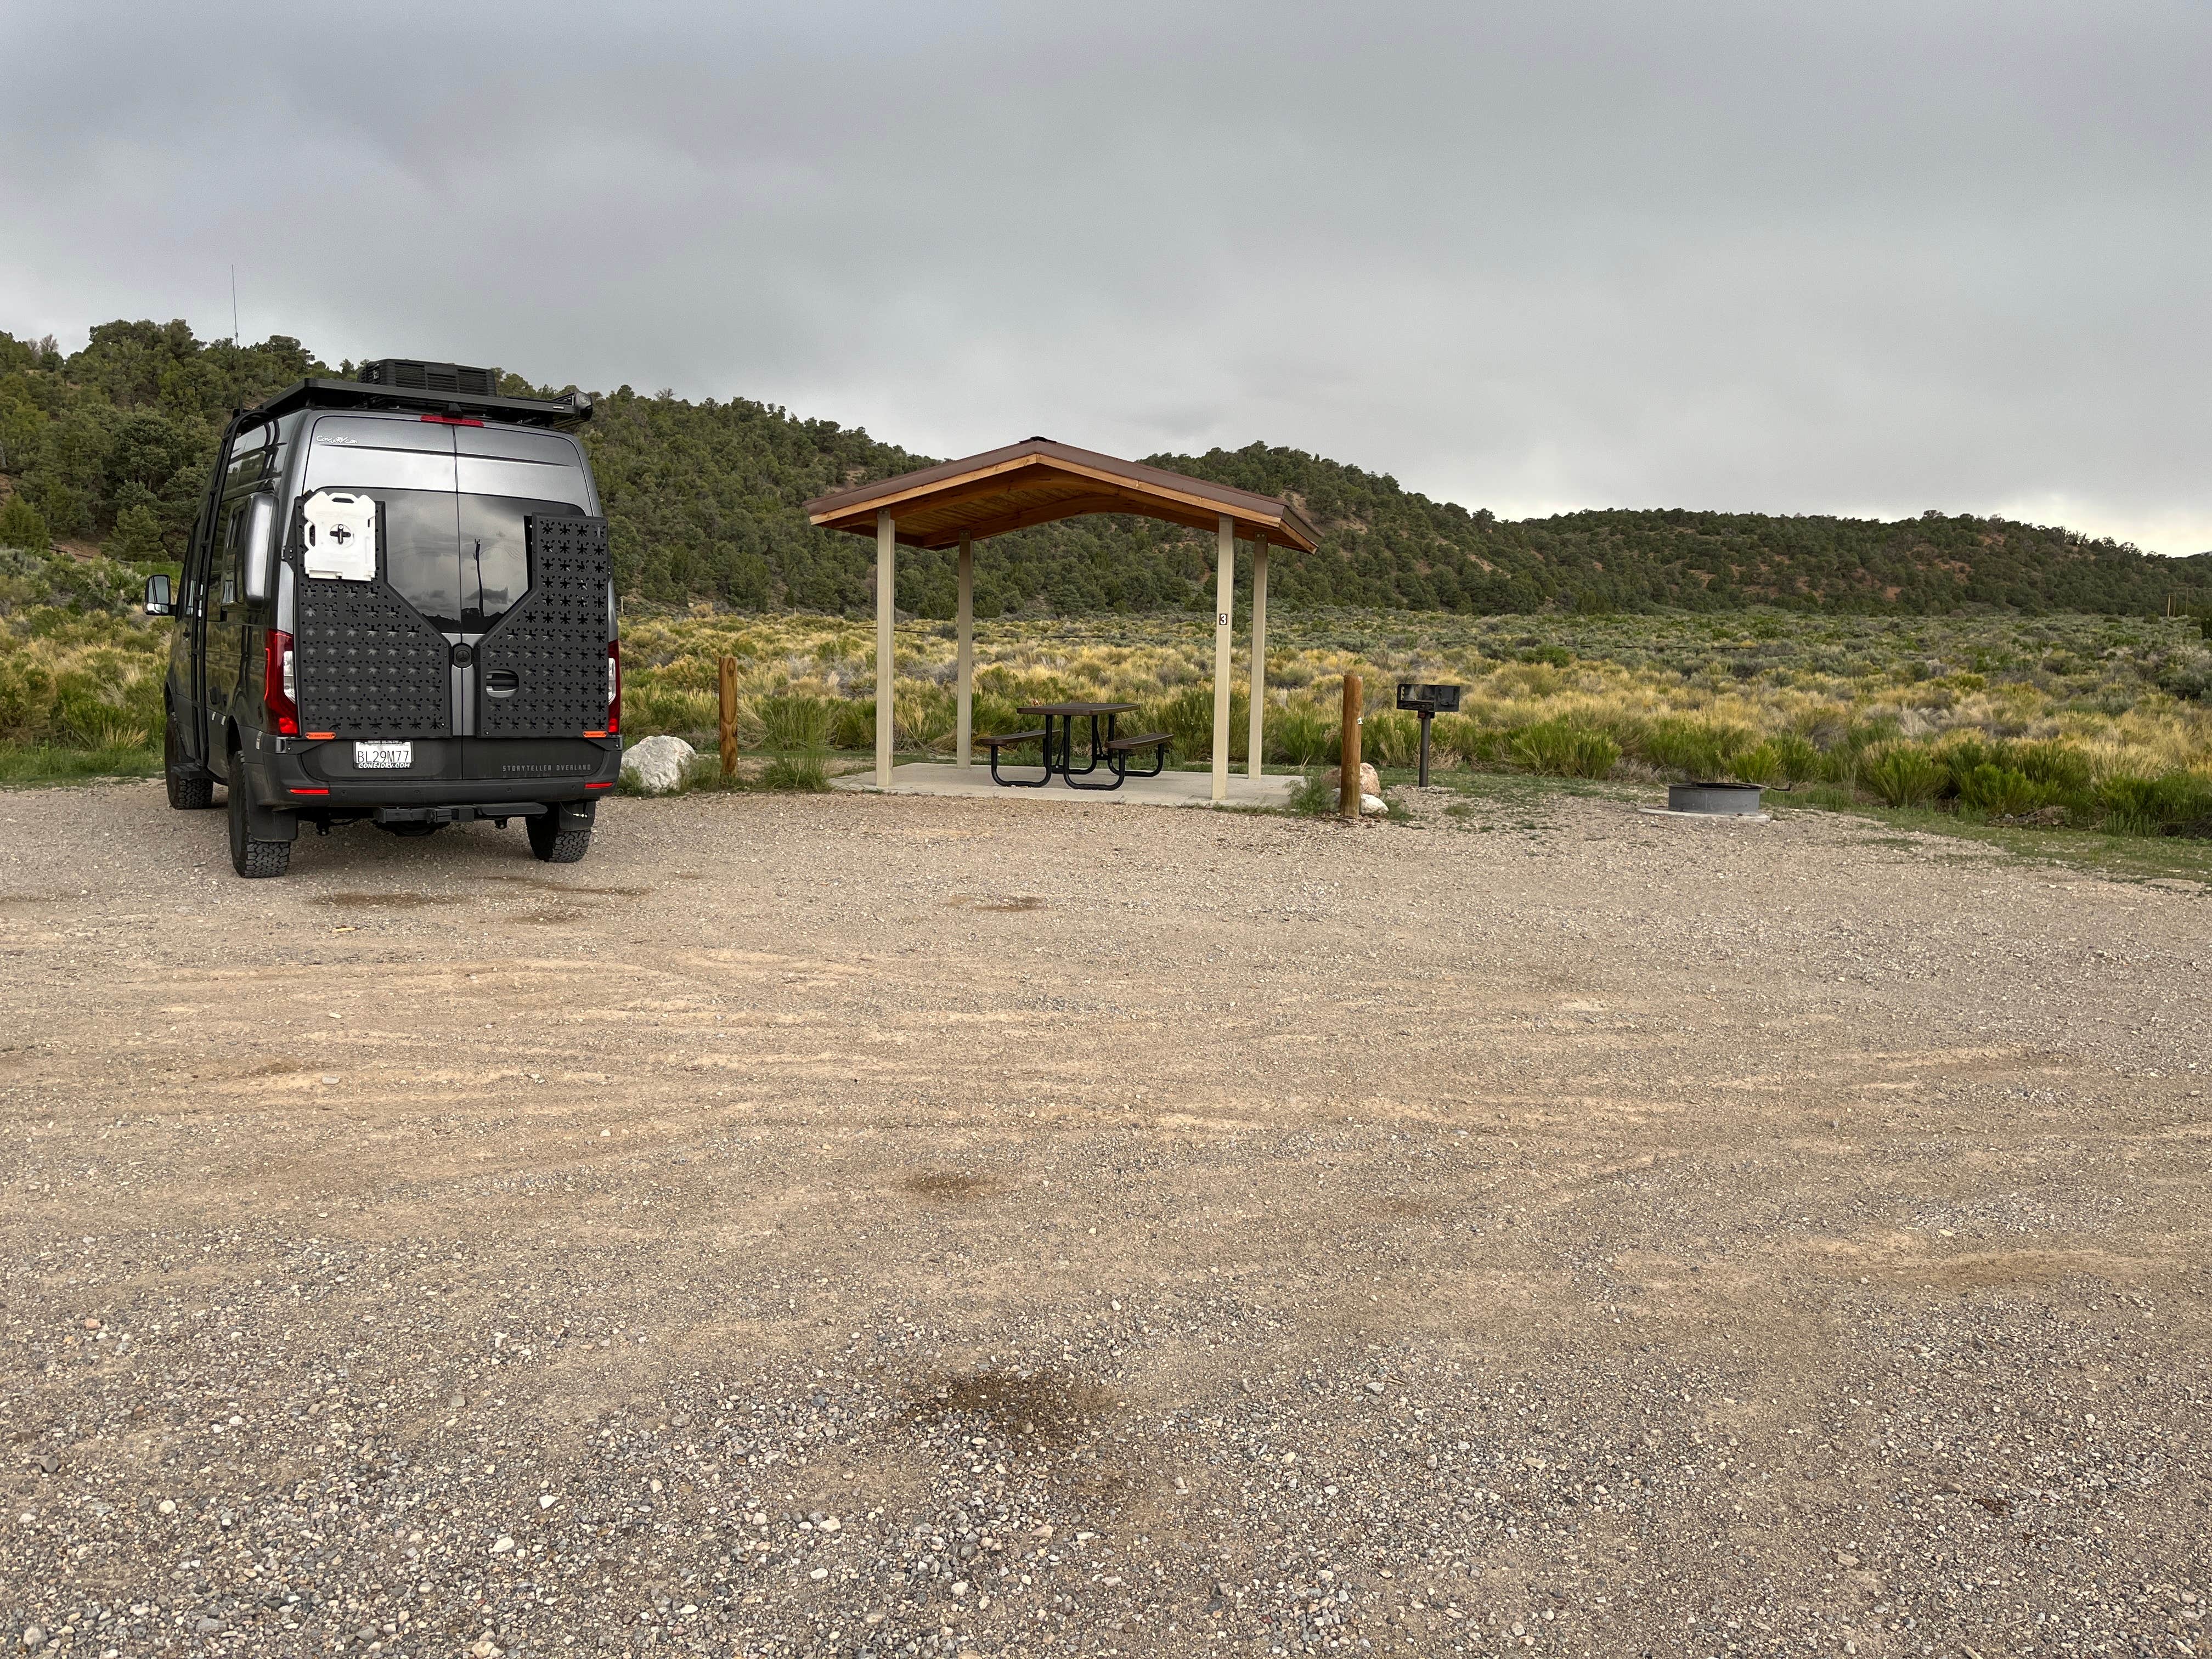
(1347,770)
(729,716)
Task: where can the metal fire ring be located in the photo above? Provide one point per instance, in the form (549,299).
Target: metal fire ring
(1723,799)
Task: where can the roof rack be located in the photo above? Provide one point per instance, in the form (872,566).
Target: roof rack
(572,410)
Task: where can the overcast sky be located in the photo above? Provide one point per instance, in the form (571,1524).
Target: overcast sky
(1852,257)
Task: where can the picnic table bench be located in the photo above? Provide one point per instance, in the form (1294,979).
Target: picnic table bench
(1059,745)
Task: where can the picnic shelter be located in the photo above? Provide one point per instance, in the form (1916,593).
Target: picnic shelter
(955,504)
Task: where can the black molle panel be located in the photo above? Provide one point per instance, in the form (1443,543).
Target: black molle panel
(369,665)
(555,642)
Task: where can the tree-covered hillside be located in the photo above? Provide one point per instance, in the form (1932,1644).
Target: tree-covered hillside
(110,445)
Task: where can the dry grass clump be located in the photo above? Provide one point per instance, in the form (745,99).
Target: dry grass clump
(80,682)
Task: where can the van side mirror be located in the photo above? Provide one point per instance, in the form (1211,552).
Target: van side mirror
(157,596)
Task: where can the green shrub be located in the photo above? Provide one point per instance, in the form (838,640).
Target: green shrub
(137,539)
(1760,763)
(799,774)
(27,700)
(1997,790)
(2056,765)
(1904,774)
(923,717)
(1561,749)
(1187,718)
(1860,735)
(649,710)
(21,525)
(1796,761)
(1303,734)
(1697,749)
(852,724)
(2145,807)
(792,725)
(1315,796)
(1961,754)
(1468,741)
(993,712)
(1391,737)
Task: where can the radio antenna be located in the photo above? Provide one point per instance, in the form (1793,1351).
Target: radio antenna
(233,305)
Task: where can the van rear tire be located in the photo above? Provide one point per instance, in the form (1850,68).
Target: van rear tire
(188,793)
(550,844)
(254,859)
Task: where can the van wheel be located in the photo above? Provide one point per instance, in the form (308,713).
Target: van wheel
(550,844)
(250,858)
(188,793)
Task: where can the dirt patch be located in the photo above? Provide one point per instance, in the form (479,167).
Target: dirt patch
(950,1186)
(15,900)
(2019,1268)
(1045,1405)
(1016,902)
(383,901)
(1401,1206)
(545,886)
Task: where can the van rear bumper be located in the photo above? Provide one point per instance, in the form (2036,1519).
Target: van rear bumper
(310,776)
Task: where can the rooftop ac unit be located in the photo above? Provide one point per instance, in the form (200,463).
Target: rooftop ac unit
(406,375)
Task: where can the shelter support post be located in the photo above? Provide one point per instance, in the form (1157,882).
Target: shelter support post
(886,613)
(1253,749)
(1225,607)
(964,740)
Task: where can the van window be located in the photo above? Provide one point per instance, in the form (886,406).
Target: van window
(542,466)
(251,460)
(421,538)
(451,506)
(251,457)
(230,549)
(355,452)
(495,553)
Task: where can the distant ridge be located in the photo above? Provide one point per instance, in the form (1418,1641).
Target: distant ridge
(110,445)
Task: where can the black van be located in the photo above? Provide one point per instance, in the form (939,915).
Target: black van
(397,605)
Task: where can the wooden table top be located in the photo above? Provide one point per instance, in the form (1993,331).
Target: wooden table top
(1071,710)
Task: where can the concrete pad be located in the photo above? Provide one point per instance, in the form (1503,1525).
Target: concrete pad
(1168,789)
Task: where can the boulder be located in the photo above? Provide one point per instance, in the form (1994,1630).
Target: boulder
(1368,783)
(655,766)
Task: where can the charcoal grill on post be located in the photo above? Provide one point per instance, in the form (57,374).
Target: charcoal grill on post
(1428,701)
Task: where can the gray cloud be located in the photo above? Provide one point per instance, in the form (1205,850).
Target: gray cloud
(1863,259)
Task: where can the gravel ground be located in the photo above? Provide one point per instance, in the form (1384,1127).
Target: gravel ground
(845,1225)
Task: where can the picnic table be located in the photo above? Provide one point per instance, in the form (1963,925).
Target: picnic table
(1058,743)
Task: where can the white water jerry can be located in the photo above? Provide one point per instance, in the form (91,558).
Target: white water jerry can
(341,536)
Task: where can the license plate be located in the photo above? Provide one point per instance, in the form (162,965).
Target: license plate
(383,756)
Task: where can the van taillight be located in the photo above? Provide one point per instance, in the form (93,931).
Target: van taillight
(280,683)
(613,688)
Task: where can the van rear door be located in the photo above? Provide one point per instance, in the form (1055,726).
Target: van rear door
(375,656)
(535,554)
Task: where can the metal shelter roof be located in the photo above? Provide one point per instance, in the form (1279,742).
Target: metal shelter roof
(1037,481)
